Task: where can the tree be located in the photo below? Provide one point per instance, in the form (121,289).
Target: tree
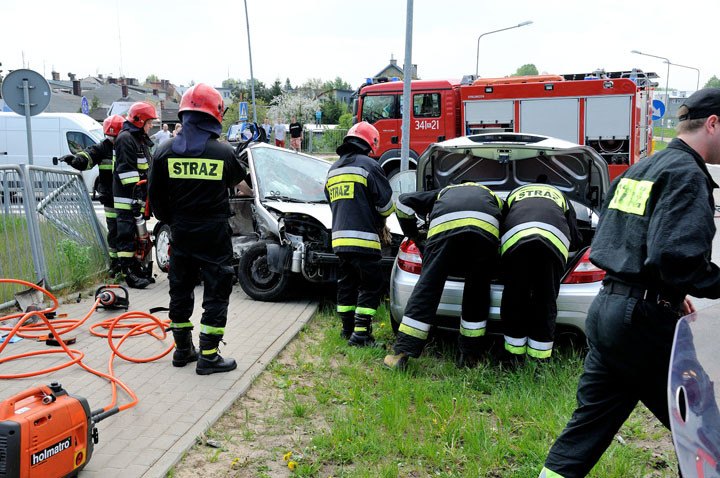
(332,110)
(287,104)
(95,103)
(275,89)
(713,82)
(526,70)
(152,79)
(288,86)
(338,83)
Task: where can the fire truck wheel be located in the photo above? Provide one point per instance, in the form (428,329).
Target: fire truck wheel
(256,278)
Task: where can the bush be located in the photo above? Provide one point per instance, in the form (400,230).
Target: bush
(78,258)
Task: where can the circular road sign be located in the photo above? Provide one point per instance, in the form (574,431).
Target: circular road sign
(14,95)
(658,109)
(84,106)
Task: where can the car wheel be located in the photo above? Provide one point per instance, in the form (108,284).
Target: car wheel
(162,248)
(256,278)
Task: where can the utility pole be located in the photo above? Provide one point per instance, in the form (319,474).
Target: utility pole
(252,78)
(407,99)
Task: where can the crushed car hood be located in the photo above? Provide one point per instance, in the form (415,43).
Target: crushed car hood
(505,161)
(321,212)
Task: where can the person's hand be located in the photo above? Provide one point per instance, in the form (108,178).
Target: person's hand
(68,158)
(688,307)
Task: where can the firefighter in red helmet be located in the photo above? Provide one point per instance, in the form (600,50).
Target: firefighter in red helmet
(189,184)
(102,155)
(132,161)
(361,200)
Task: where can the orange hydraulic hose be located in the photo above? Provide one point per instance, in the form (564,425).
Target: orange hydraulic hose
(76,356)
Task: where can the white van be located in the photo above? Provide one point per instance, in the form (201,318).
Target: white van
(54,135)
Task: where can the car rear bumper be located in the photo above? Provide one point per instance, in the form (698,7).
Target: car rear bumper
(573,301)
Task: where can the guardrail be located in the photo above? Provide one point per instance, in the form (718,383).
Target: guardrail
(48,229)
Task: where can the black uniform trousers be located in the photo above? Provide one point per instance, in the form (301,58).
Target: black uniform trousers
(630,343)
(111,223)
(465,254)
(205,247)
(531,278)
(360,284)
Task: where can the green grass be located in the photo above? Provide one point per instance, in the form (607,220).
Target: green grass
(659,146)
(432,420)
(67,261)
(669,132)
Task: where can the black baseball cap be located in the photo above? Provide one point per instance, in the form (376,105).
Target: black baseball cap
(702,103)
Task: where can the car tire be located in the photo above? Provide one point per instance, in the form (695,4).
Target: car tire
(256,279)
(162,247)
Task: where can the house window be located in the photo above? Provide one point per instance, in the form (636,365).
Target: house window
(426,105)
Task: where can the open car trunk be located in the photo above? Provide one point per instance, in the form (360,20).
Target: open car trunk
(506,161)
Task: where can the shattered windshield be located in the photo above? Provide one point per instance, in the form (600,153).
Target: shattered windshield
(287,176)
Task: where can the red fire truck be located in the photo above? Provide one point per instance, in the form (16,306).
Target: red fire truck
(608,111)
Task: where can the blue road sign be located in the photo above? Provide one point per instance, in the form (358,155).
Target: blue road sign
(658,109)
(85,106)
(242,111)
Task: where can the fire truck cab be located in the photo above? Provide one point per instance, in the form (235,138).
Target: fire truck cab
(608,111)
(435,117)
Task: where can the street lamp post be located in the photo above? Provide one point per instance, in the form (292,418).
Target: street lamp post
(697,86)
(667,86)
(477,55)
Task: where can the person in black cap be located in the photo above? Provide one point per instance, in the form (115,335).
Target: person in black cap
(654,239)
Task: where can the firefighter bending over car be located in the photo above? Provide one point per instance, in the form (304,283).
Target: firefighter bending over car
(360,199)
(189,184)
(462,239)
(132,161)
(654,240)
(102,155)
(538,230)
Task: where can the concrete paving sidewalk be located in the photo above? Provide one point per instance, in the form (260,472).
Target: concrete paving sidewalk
(176,405)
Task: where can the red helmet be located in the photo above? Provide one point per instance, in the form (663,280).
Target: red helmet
(112,125)
(366,132)
(203,98)
(140,112)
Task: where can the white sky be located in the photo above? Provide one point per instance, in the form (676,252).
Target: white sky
(183,40)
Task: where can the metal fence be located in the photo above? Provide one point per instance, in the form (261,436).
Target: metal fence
(48,229)
(324,141)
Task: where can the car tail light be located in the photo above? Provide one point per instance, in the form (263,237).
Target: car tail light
(409,258)
(584,271)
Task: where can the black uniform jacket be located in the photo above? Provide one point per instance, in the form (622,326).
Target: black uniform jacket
(132,161)
(656,226)
(184,188)
(101,155)
(360,198)
(467,207)
(541,214)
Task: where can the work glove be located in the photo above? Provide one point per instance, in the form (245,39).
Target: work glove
(68,158)
(385,236)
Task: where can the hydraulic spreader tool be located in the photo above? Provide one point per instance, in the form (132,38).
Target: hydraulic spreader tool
(45,431)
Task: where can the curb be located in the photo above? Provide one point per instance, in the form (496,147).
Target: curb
(176,452)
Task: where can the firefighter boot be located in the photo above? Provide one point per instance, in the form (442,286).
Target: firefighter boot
(133,276)
(396,362)
(348,323)
(210,360)
(114,267)
(362,334)
(185,351)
